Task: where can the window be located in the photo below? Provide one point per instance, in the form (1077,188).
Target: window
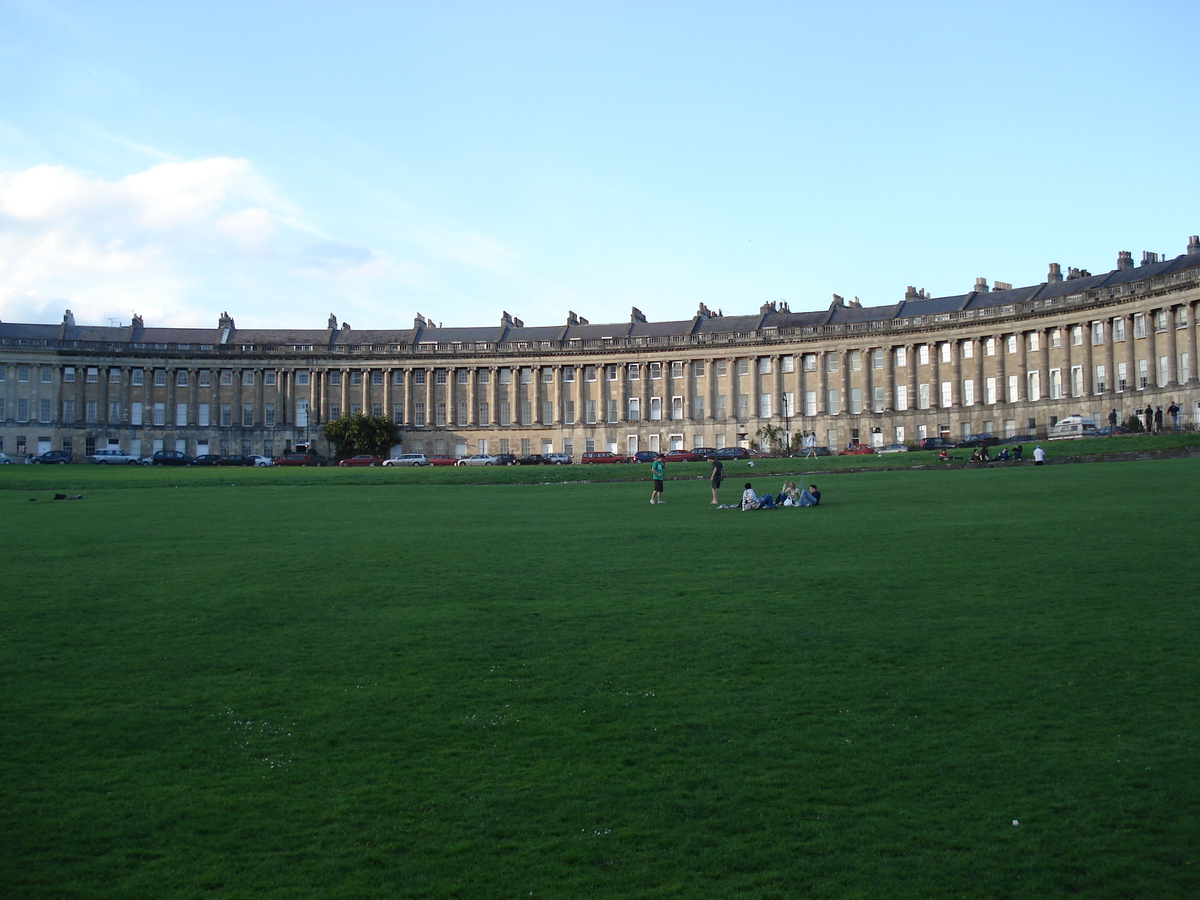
(810,362)
(160,413)
(810,403)
(697,407)
(377,376)
(1143,376)
(721,367)
(1181,317)
(967,349)
(1076,381)
(635,409)
(460,412)
(634,372)
(247,377)
(302,381)
(743,366)
(226,415)
(1076,335)
(611,410)
(947,394)
(23,410)
(968,393)
(247,415)
(1163,371)
(1122,377)
(92,374)
(1184,371)
(1035,341)
(855,400)
(764,365)
(764,406)
(989,346)
(655,409)
(721,411)
(1014,384)
(589,412)
(944,351)
(419,376)
(439,412)
(114,412)
(181,415)
(923,396)
(547,375)
(335,379)
(1099,378)
(743,406)
(68,411)
(335,410)
(901,398)
(589,373)
(1160,320)
(569,412)
(1097,333)
(203,377)
(568,373)
(226,376)
(482,376)
(923,355)
(269,415)
(831,361)
(547,412)
(68,375)
(181,378)
(45,411)
(1139,325)
(418,413)
(202,417)
(1118,330)
(876,360)
(677,369)
(989,390)
(269,378)
(610,373)
(655,371)
(1056,339)
(505,413)
(483,413)
(1056,384)
(876,399)
(526,375)
(831,402)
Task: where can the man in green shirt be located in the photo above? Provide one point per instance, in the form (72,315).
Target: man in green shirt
(656,472)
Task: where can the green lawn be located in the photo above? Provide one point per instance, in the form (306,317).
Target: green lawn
(283,683)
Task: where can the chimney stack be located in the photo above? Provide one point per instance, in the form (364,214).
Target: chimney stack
(1194,245)
(1124,261)
(1148,258)
(981,286)
(1055,274)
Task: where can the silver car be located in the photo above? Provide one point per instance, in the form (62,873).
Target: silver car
(479,459)
(408,459)
(111,456)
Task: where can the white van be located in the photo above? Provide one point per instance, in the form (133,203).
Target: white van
(1073,427)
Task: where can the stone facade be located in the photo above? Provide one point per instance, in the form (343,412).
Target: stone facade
(1009,361)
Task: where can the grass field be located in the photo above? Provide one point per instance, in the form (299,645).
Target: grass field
(354,684)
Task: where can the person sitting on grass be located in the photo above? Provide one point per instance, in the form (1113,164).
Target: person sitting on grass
(943,456)
(811,497)
(751,500)
(789,496)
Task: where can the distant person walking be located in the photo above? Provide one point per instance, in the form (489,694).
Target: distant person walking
(657,470)
(1173,412)
(1039,456)
(715,478)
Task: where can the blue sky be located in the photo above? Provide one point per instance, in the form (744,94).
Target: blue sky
(283,161)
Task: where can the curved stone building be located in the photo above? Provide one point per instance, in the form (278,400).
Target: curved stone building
(1000,359)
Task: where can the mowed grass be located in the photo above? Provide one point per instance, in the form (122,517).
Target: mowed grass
(245,687)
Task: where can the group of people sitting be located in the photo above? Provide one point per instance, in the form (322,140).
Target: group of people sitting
(789,496)
(980,454)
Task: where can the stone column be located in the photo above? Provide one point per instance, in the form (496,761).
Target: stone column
(1172,349)
(1110,370)
(1193,363)
(1089,379)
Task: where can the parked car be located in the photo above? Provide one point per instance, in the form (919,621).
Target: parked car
(857,450)
(301,459)
(408,459)
(1073,427)
(363,459)
(726,453)
(237,459)
(558,459)
(5,459)
(170,458)
(479,459)
(894,448)
(263,461)
(111,456)
(681,456)
(208,459)
(533,459)
(505,459)
(642,456)
(704,452)
(440,459)
(52,457)
(935,443)
(983,439)
(601,457)
(1106,431)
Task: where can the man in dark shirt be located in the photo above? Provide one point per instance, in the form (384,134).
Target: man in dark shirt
(811,497)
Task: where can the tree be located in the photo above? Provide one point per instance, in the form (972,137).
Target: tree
(770,440)
(354,434)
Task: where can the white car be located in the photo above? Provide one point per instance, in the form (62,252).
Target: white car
(263,460)
(557,459)
(408,459)
(111,456)
(894,448)
(479,459)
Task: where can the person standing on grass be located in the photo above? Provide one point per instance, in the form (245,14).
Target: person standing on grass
(1039,456)
(715,479)
(1148,415)
(1173,412)
(1112,422)
(657,470)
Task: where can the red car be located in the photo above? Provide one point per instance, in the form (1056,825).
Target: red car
(363,459)
(857,450)
(681,456)
(597,457)
(440,460)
